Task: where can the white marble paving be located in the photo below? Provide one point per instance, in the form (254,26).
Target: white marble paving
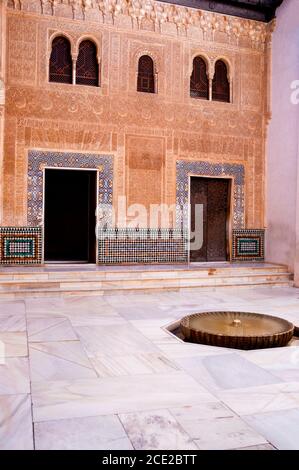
(281,362)
(104,374)
(156,430)
(224,434)
(111,340)
(14,376)
(133,364)
(15,422)
(91,433)
(12,308)
(12,322)
(64,360)
(43,328)
(15,344)
(90,397)
(261,399)
(239,372)
(279,427)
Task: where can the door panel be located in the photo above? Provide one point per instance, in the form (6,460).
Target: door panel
(213,194)
(216,219)
(199,195)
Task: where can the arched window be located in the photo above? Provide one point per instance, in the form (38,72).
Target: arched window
(199,83)
(220,87)
(60,67)
(87,68)
(146,77)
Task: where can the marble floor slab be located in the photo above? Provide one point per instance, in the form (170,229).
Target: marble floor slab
(16,422)
(63,360)
(113,340)
(189,415)
(279,427)
(53,328)
(14,376)
(261,399)
(133,364)
(15,344)
(91,433)
(214,426)
(12,308)
(239,372)
(281,362)
(90,397)
(12,323)
(156,430)
(224,434)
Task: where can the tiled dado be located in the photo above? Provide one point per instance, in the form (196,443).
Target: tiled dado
(20,245)
(142,246)
(248,245)
(39,160)
(187,168)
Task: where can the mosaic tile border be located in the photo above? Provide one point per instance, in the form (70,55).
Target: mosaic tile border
(20,245)
(185,168)
(38,160)
(248,245)
(128,246)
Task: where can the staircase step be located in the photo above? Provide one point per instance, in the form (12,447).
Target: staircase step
(44,282)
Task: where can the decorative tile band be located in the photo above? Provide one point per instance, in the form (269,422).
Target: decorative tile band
(248,244)
(186,168)
(128,246)
(38,161)
(20,245)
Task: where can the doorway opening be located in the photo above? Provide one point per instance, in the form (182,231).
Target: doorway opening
(214,194)
(69,215)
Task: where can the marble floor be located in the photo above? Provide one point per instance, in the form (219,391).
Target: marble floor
(104,373)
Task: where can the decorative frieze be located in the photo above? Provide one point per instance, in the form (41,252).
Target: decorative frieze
(154,15)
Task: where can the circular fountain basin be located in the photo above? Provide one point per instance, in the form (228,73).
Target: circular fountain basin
(240,330)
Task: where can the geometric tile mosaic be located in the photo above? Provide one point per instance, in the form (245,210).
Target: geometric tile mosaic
(38,160)
(248,244)
(127,246)
(20,245)
(185,168)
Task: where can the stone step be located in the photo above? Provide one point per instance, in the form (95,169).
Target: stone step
(75,286)
(116,275)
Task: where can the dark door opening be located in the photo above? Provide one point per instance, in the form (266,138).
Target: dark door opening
(70,205)
(214,195)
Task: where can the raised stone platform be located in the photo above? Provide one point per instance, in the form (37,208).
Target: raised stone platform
(59,279)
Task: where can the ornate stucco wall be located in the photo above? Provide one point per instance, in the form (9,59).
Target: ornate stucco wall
(145,133)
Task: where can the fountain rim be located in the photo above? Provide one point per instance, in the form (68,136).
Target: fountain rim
(290,327)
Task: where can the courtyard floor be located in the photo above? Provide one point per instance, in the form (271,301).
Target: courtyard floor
(100,372)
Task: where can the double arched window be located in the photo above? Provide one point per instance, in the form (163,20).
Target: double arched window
(61,63)
(199,81)
(146,75)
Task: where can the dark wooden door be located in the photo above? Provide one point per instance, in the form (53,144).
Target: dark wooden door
(213,194)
